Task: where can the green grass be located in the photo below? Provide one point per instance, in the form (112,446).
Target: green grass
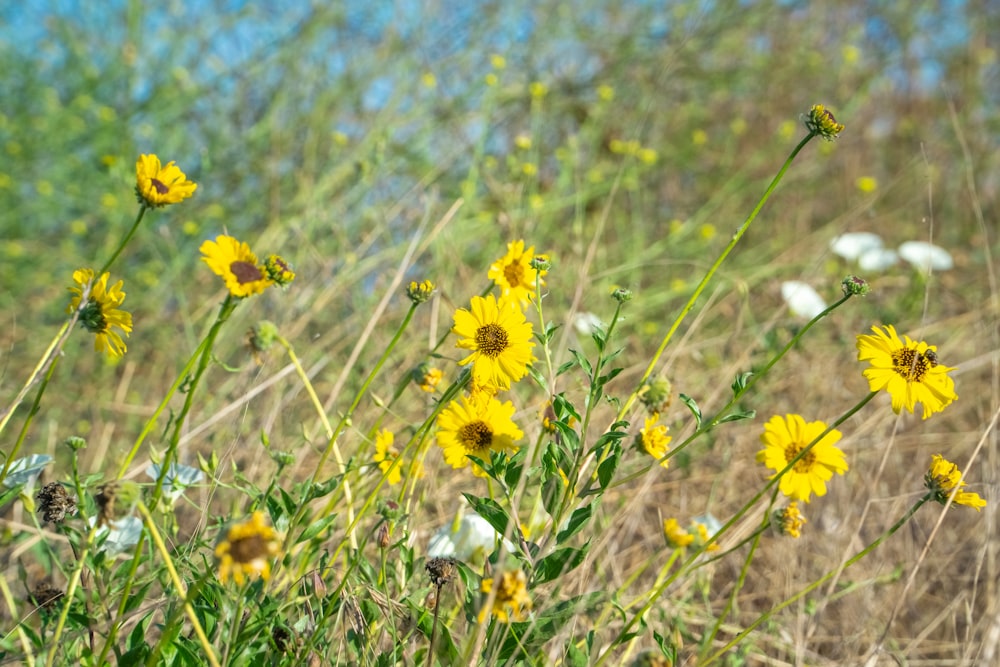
(641,189)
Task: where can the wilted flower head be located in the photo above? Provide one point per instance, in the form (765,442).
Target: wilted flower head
(54,503)
(157,186)
(656,395)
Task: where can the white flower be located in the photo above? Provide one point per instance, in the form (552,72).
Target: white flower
(877,259)
(926,256)
(179,477)
(122,534)
(802,299)
(26,470)
(587,323)
(471,540)
(852,245)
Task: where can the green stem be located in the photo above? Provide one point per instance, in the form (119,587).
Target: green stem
(27,422)
(819,582)
(125,240)
(332,445)
(659,590)
(204,357)
(711,272)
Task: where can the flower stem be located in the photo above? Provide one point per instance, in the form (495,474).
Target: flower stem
(711,272)
(125,240)
(819,582)
(178,583)
(655,594)
(27,422)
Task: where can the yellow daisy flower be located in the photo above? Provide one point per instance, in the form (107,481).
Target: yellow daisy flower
(511,601)
(236,263)
(386,454)
(247,549)
(788,521)
(500,339)
(677,537)
(907,369)
(654,439)
(513,273)
(101,311)
(943,477)
(428,378)
(158,186)
(476,428)
(784,438)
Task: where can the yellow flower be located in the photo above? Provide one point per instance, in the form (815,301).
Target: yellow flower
(654,439)
(428,378)
(784,438)
(247,549)
(943,477)
(420,292)
(511,601)
(157,186)
(500,339)
(237,265)
(278,270)
(677,537)
(513,273)
(788,521)
(821,122)
(907,369)
(476,428)
(101,311)
(701,536)
(386,454)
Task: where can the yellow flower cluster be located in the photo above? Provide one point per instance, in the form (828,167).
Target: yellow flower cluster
(498,337)
(237,265)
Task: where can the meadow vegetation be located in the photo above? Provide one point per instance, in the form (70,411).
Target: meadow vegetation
(369,336)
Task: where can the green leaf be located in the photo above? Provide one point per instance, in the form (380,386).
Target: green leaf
(606,471)
(575,657)
(693,407)
(565,367)
(315,528)
(552,491)
(582,361)
(737,416)
(739,385)
(558,563)
(577,520)
(488,508)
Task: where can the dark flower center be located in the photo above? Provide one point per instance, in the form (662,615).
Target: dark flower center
(245,272)
(514,273)
(160,186)
(248,549)
(491,340)
(476,435)
(911,365)
(803,465)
